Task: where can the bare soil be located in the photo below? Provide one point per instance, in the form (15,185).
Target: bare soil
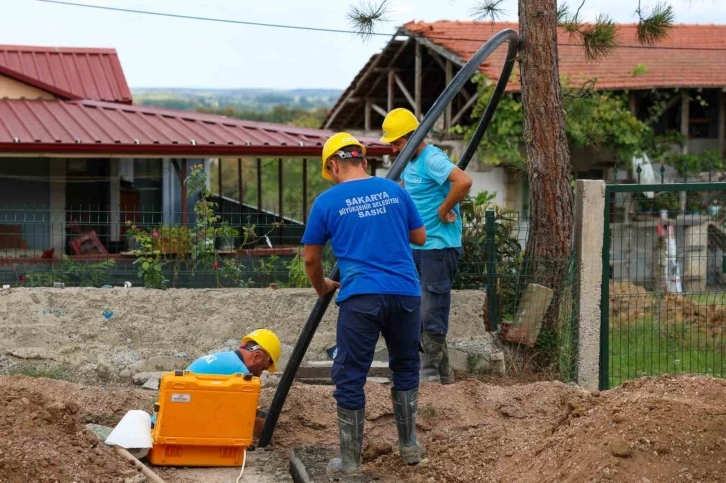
(42,439)
(664,429)
(629,303)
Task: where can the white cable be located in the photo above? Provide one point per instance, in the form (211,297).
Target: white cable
(244,460)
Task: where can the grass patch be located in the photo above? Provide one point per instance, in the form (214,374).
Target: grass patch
(61,373)
(646,347)
(427,411)
(707,298)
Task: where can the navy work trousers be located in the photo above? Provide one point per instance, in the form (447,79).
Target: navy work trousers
(360,321)
(436,269)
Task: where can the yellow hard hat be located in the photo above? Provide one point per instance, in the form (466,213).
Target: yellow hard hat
(397,124)
(269,342)
(335,143)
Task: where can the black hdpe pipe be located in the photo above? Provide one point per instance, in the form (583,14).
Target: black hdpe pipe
(461,78)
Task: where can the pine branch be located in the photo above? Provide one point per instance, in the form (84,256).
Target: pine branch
(599,39)
(487,10)
(576,18)
(654,27)
(571,24)
(364,18)
(563,15)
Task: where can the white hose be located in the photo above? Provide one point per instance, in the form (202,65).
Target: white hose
(244,460)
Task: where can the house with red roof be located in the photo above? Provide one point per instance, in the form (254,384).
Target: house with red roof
(420,60)
(77,157)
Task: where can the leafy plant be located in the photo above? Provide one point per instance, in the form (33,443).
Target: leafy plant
(225,231)
(68,271)
(148,259)
(693,164)
(509,254)
(297,278)
(173,239)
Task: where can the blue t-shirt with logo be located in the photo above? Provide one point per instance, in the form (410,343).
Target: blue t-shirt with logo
(367,222)
(425,180)
(220,363)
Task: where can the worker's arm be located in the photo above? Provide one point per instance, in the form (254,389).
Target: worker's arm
(313,257)
(460,185)
(418,236)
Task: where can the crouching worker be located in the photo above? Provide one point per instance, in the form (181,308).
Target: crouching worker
(260,350)
(369,222)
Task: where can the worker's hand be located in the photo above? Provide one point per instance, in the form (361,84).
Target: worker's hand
(447,217)
(328,287)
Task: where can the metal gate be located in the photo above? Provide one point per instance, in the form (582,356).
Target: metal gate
(663,284)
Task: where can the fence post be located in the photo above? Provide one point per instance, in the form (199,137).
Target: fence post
(589,230)
(492,303)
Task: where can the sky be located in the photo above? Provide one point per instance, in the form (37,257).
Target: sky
(170,52)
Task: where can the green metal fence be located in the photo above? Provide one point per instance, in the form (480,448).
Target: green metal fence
(664,291)
(529,303)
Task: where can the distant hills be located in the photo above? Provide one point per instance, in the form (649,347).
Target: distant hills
(260,100)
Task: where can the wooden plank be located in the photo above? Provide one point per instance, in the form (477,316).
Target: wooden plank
(391,87)
(259,184)
(240,186)
(685,117)
(407,94)
(280,193)
(463,110)
(379,109)
(449,69)
(417,82)
(305,190)
(367,122)
(220,186)
(182,177)
(722,122)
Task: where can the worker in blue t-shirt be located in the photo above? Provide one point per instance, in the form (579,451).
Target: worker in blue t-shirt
(437,186)
(260,350)
(369,222)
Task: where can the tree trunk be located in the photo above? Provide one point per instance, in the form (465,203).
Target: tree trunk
(549,243)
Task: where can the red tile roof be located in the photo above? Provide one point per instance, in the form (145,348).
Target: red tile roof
(69,73)
(675,63)
(92,127)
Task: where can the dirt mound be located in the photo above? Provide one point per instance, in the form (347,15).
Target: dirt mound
(629,302)
(706,317)
(653,429)
(43,440)
(660,429)
(99,405)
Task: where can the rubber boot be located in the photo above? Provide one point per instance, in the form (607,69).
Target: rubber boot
(446,375)
(350,429)
(405,408)
(435,366)
(430,359)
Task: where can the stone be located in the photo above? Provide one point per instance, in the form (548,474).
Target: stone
(159,363)
(269,380)
(476,355)
(142,377)
(321,370)
(152,384)
(620,448)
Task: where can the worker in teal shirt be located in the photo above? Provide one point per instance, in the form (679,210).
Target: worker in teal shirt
(369,222)
(437,186)
(260,350)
